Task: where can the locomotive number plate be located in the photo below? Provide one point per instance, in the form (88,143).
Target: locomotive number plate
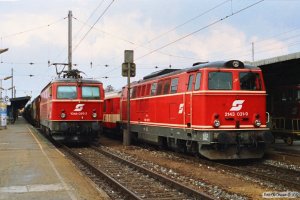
(239,114)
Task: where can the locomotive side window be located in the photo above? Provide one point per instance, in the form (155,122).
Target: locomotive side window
(167,87)
(143,90)
(90,92)
(133,94)
(159,88)
(190,84)
(250,81)
(298,95)
(220,81)
(147,91)
(153,88)
(139,91)
(174,85)
(198,80)
(66,92)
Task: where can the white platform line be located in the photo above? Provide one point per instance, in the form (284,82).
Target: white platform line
(72,196)
(32,188)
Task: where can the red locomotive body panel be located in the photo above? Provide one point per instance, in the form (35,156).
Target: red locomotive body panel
(72,109)
(202,109)
(111,112)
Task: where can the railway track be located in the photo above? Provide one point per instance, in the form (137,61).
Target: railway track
(131,180)
(264,172)
(282,154)
(277,175)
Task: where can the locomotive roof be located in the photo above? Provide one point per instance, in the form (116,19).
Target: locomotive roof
(71,80)
(196,66)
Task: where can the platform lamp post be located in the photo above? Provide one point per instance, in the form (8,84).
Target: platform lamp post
(13,88)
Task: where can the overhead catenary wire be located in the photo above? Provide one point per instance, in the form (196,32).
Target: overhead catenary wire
(85,35)
(32,29)
(198,30)
(91,15)
(176,27)
(188,21)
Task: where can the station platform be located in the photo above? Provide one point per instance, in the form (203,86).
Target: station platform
(32,168)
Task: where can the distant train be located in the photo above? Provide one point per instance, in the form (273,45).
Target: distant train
(285,111)
(69,109)
(215,109)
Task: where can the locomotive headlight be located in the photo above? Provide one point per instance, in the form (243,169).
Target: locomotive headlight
(257,123)
(94,115)
(217,123)
(63,115)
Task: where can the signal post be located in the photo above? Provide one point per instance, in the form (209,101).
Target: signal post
(128,70)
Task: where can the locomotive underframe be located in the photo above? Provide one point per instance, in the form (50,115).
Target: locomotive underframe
(74,131)
(223,144)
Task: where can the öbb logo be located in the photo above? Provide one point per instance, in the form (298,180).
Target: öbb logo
(237,105)
(78,107)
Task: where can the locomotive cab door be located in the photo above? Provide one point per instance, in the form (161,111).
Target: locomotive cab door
(188,100)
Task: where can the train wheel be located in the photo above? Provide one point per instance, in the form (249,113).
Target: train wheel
(289,140)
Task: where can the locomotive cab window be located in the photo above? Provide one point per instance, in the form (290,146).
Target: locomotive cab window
(66,92)
(190,84)
(198,80)
(220,81)
(90,92)
(250,81)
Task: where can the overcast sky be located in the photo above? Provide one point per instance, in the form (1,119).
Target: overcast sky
(162,33)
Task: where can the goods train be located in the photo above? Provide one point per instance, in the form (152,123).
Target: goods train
(69,108)
(285,110)
(217,110)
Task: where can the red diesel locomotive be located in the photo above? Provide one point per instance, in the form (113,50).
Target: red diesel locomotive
(215,109)
(71,109)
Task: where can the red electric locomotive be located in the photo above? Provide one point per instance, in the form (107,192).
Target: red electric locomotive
(285,112)
(71,109)
(216,109)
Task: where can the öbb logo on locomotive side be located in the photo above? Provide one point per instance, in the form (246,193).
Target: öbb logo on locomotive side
(237,105)
(78,110)
(78,107)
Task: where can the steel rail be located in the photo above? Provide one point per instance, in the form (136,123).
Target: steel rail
(180,187)
(101,173)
